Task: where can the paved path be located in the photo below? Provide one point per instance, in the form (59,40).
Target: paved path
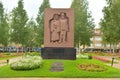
(116,65)
(4,62)
(59,78)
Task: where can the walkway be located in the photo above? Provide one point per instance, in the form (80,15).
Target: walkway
(59,78)
(116,64)
(4,62)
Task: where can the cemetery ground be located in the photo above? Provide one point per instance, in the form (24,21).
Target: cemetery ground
(72,69)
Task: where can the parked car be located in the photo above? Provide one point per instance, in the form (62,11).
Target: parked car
(11,49)
(1,49)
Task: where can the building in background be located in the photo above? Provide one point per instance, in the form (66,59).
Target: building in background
(96,39)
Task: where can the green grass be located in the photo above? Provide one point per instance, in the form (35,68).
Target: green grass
(117,58)
(70,70)
(8,57)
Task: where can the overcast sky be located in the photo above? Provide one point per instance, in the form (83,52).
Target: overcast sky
(32,6)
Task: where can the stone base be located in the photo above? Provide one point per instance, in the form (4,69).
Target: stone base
(58,53)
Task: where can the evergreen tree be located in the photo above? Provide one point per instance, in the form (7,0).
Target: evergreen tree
(3,26)
(83,23)
(19,19)
(40,22)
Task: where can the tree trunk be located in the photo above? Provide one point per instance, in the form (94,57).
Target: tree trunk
(17,49)
(113,51)
(110,48)
(78,46)
(83,47)
(22,49)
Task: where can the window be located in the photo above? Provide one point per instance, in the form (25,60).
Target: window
(91,45)
(98,45)
(108,45)
(98,38)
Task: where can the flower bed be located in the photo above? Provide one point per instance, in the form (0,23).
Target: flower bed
(27,63)
(8,55)
(91,67)
(101,59)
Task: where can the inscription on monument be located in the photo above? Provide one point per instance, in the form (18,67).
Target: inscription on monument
(59,28)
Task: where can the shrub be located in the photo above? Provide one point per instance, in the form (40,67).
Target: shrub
(90,57)
(32,53)
(82,56)
(27,63)
(7,53)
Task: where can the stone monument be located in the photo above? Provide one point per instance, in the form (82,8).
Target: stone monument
(58,34)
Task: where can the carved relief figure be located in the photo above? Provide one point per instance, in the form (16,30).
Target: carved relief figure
(59,28)
(64,24)
(55,28)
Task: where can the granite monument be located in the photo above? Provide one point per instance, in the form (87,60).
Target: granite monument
(58,34)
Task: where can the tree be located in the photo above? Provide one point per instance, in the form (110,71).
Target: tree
(31,30)
(3,27)
(19,19)
(40,21)
(83,23)
(110,25)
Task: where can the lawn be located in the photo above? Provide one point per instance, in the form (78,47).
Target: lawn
(117,58)
(70,70)
(8,57)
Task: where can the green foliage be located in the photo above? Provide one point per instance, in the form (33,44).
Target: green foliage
(3,27)
(7,53)
(40,22)
(90,57)
(19,19)
(83,23)
(31,32)
(32,53)
(82,56)
(110,25)
(27,63)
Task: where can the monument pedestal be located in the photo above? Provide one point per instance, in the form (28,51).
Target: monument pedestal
(58,53)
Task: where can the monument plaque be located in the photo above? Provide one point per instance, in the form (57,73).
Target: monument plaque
(59,34)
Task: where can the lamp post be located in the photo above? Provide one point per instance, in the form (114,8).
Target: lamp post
(112,61)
